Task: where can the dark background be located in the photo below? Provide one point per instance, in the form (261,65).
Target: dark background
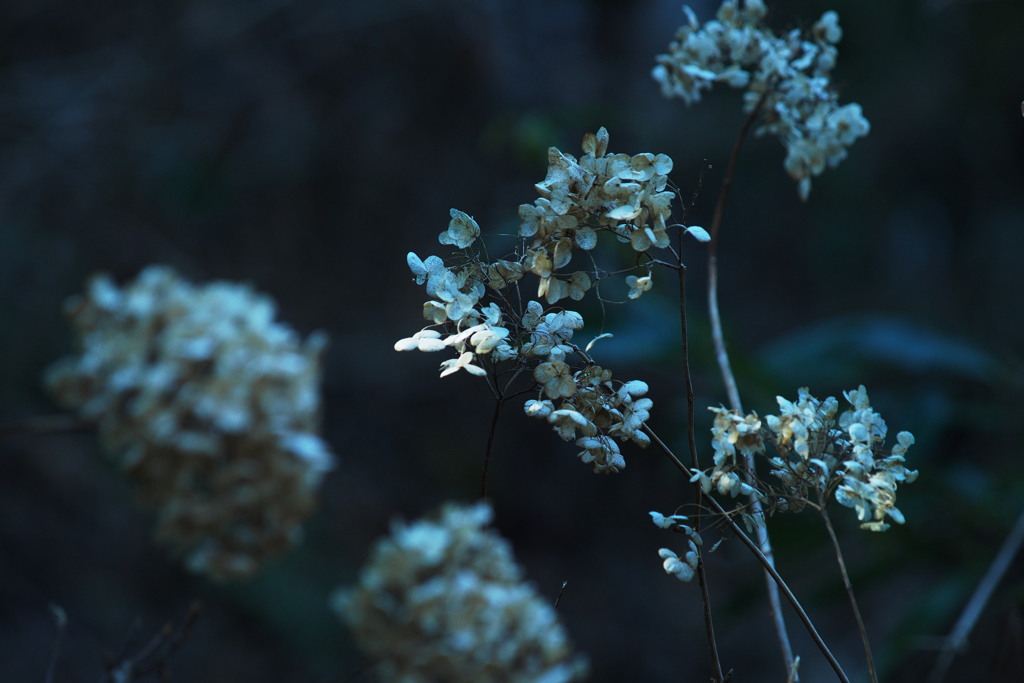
(305,147)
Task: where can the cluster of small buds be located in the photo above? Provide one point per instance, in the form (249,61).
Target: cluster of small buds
(789,75)
(443,600)
(591,405)
(580,198)
(210,407)
(682,568)
(814,453)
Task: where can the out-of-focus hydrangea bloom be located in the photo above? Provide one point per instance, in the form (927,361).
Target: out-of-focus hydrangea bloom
(790,72)
(815,452)
(442,599)
(210,407)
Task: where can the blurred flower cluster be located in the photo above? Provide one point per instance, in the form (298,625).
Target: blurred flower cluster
(476,308)
(210,407)
(442,599)
(814,454)
(789,75)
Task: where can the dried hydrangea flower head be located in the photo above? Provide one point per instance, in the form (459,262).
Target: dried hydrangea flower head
(210,407)
(443,600)
(472,313)
(814,451)
(789,74)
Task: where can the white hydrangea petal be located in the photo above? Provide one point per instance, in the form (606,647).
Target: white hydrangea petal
(698,233)
(462,230)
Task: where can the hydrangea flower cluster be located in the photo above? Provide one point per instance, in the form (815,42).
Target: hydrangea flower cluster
(443,600)
(471,313)
(614,192)
(815,453)
(682,568)
(210,407)
(592,406)
(791,73)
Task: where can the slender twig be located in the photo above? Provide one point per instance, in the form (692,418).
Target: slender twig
(61,618)
(709,625)
(155,655)
(721,354)
(60,423)
(490,444)
(558,598)
(957,639)
(752,546)
(849,588)
(501,395)
(731,390)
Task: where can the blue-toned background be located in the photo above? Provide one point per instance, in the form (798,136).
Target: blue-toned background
(305,147)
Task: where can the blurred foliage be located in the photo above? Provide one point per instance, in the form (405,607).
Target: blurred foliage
(305,146)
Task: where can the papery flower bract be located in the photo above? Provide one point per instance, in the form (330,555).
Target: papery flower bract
(638,285)
(675,566)
(425,271)
(567,422)
(555,377)
(670,522)
(601,453)
(462,230)
(487,339)
(698,233)
(463,362)
(550,335)
(424,340)
(539,409)
(502,273)
(435,312)
(681,567)
(533,314)
(578,285)
(732,433)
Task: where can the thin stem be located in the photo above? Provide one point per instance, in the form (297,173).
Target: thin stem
(718,339)
(709,626)
(60,423)
(490,444)
(61,618)
(764,542)
(768,567)
(849,591)
(731,390)
(721,355)
(957,638)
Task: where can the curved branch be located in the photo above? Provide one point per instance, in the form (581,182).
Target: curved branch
(769,568)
